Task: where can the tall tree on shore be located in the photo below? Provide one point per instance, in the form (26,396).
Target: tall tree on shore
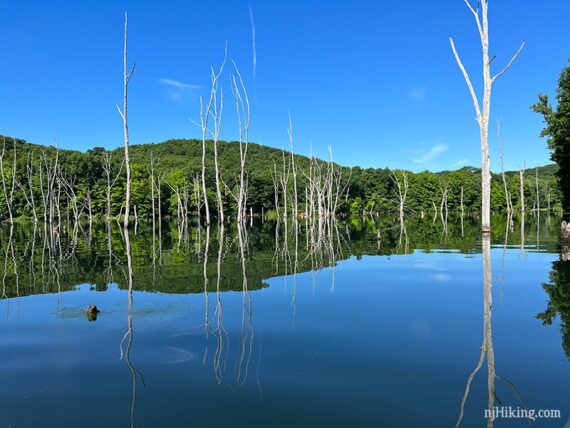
(126,79)
(557,131)
(483,112)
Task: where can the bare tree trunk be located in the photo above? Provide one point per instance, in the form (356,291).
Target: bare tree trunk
(204,116)
(483,114)
(295,196)
(159,213)
(521,177)
(506,190)
(275,179)
(108,168)
(153,210)
(243,109)
(537,194)
(90,208)
(8,190)
(30,176)
(402,187)
(217,119)
(126,79)
(443,205)
(284,182)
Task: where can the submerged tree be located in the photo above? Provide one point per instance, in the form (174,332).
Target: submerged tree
(483,111)
(126,79)
(8,188)
(557,131)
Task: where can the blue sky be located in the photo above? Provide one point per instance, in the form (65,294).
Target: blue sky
(376,80)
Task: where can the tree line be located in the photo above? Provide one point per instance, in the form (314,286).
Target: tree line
(40,183)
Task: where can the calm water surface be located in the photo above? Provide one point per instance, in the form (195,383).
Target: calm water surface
(356,332)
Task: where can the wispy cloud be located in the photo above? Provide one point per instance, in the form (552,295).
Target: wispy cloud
(461,162)
(418,94)
(177,90)
(427,156)
(252,23)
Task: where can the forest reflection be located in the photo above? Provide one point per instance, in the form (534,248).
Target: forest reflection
(169,259)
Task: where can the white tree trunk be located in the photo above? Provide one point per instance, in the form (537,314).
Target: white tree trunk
(126,79)
(483,114)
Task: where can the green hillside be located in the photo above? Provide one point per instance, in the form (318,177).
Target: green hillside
(178,162)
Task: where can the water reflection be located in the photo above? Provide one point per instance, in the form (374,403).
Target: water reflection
(65,260)
(129,335)
(558,291)
(298,323)
(487,350)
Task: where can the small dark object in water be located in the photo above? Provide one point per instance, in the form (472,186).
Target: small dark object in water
(91,312)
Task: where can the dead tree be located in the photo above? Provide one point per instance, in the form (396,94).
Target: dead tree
(30,177)
(73,199)
(284,182)
(508,199)
(243,114)
(483,113)
(443,205)
(204,116)
(181,204)
(295,202)
(537,194)
(216,109)
(275,178)
(521,180)
(159,179)
(197,194)
(8,189)
(212,109)
(152,197)
(108,168)
(402,186)
(89,203)
(126,79)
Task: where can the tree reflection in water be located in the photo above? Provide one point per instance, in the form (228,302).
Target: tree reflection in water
(558,290)
(487,349)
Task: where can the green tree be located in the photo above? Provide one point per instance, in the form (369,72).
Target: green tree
(557,131)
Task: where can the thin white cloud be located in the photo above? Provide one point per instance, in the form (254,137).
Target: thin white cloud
(461,163)
(177,90)
(427,156)
(179,85)
(252,23)
(418,94)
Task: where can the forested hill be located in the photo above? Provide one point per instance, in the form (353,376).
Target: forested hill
(179,161)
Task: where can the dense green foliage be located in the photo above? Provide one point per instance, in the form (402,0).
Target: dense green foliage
(178,163)
(557,131)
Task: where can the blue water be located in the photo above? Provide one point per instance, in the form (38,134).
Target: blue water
(378,340)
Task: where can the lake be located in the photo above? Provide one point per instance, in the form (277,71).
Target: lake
(220,327)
